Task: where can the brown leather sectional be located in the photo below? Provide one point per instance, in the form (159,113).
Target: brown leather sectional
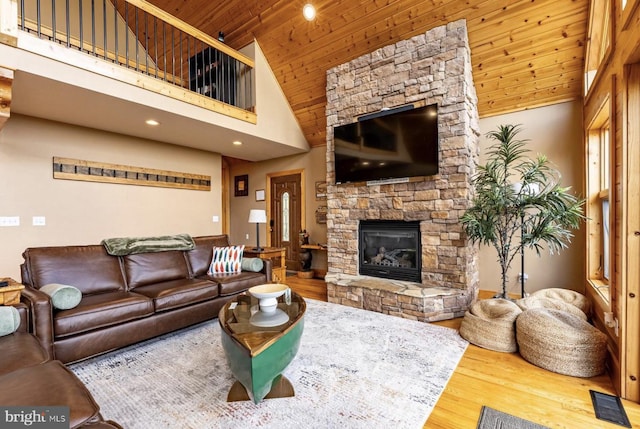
(125,299)
(28,377)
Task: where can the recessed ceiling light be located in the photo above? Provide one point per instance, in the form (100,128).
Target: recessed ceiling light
(309,12)
(237,143)
(152,122)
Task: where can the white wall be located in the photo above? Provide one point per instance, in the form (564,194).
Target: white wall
(554,131)
(84,212)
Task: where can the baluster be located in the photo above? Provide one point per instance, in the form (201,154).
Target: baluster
(68,24)
(81,24)
(38,19)
(93,27)
(146,42)
(53,20)
(22,14)
(126,32)
(104,29)
(115,29)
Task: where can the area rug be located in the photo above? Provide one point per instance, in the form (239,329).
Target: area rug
(354,369)
(494,419)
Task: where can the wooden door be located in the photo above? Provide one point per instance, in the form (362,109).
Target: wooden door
(286,214)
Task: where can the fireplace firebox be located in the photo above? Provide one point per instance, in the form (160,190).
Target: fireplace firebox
(390,249)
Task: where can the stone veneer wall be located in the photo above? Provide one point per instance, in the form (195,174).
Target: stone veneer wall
(434,67)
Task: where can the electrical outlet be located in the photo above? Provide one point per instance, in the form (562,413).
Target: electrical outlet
(215,219)
(522,276)
(247,236)
(39,221)
(10,221)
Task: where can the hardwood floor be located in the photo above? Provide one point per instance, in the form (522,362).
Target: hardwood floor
(506,382)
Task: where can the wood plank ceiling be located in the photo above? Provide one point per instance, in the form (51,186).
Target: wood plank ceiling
(525,53)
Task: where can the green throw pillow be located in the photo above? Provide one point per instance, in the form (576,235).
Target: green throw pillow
(252,264)
(63,297)
(9,320)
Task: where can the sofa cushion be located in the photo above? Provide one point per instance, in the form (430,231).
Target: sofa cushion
(20,350)
(49,384)
(147,268)
(100,310)
(9,320)
(178,293)
(200,257)
(252,264)
(63,297)
(235,283)
(89,268)
(226,260)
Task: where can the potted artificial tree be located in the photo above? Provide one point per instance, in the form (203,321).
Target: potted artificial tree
(519,203)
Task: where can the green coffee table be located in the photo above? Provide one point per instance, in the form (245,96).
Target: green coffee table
(258,353)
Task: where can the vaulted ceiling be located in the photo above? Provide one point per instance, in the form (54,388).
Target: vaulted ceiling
(525,53)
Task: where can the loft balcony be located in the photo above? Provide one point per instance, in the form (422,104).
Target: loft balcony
(112,64)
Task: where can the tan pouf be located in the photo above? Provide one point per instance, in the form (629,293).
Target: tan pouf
(566,295)
(561,342)
(489,324)
(556,304)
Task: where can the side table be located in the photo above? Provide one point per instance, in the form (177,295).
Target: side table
(278,257)
(10,294)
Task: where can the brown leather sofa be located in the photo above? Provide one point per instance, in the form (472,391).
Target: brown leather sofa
(125,299)
(29,378)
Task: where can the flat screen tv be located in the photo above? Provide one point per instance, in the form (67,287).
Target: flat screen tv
(391,144)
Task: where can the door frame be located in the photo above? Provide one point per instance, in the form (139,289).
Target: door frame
(303,188)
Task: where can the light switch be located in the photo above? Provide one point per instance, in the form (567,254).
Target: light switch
(10,221)
(39,221)
(215,219)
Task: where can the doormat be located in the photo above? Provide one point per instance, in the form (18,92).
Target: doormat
(494,419)
(609,408)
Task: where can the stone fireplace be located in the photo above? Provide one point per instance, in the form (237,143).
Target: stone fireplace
(433,67)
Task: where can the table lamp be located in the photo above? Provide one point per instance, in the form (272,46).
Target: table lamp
(258,216)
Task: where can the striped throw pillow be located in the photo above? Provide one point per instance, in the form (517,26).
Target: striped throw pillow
(226,260)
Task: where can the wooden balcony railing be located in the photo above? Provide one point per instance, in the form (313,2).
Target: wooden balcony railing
(139,36)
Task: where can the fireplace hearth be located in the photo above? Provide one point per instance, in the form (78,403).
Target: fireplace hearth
(390,249)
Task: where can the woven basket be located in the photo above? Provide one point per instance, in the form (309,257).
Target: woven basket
(490,324)
(566,295)
(535,301)
(561,342)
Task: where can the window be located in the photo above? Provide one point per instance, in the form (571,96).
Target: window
(285,217)
(628,7)
(599,41)
(599,207)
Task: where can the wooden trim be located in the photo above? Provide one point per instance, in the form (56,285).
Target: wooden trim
(303,203)
(628,12)
(89,171)
(6,84)
(183,26)
(9,22)
(630,270)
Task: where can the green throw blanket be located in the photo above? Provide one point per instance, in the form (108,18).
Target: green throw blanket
(130,245)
